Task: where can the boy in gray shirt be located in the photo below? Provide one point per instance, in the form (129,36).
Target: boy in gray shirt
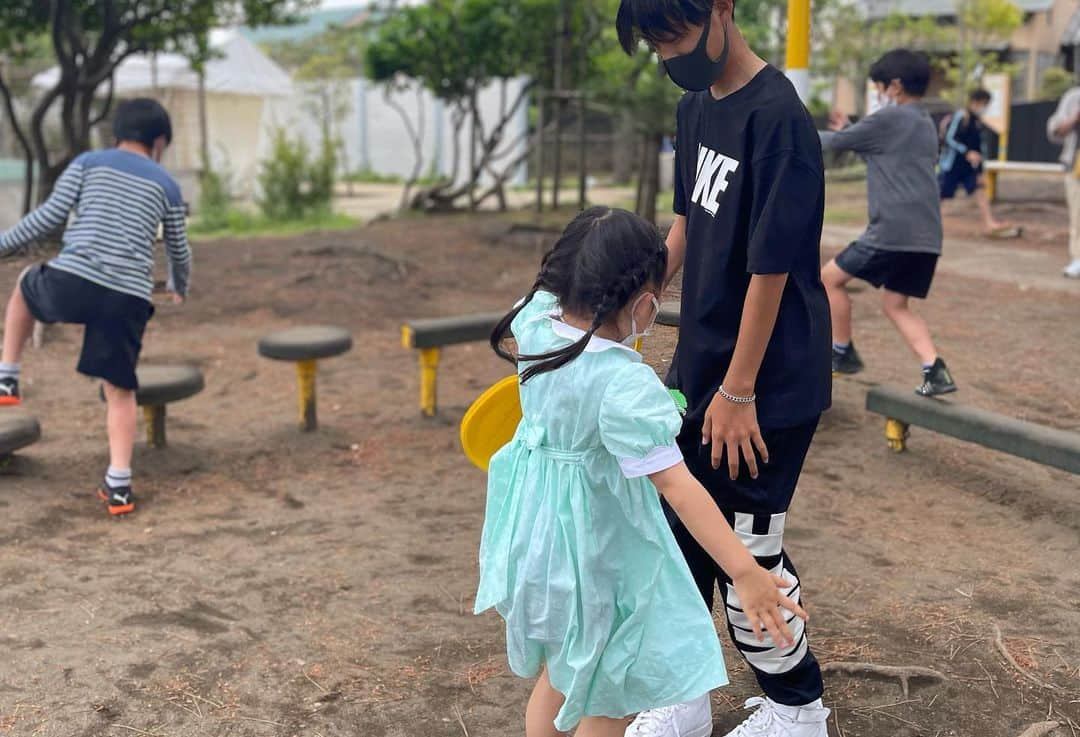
(901,246)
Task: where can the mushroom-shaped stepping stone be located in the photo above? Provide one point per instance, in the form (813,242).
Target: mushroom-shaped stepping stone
(158,387)
(305,346)
(669,314)
(16,432)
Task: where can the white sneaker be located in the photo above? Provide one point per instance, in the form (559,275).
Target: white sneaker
(1073,270)
(776,720)
(692,719)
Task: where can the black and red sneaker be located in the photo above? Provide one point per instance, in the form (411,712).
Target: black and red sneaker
(119,501)
(9,392)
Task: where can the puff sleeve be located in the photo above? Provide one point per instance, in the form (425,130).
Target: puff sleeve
(639,422)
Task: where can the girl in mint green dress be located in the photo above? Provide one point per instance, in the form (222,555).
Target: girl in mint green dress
(577,555)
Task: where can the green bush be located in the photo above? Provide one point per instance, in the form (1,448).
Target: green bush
(292,183)
(1056,81)
(215,199)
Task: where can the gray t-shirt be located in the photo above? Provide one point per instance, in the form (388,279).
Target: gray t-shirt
(900,146)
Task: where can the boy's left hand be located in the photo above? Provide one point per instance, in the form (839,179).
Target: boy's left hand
(177,299)
(734,428)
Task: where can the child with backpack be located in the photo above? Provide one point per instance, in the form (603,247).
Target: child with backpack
(963,150)
(577,554)
(103,277)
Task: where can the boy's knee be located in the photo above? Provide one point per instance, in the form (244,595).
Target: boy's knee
(832,276)
(893,303)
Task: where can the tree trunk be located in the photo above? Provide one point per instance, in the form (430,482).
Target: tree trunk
(204,125)
(625,136)
(650,176)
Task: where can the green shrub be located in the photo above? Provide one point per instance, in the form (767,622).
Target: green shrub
(215,199)
(292,183)
(1056,81)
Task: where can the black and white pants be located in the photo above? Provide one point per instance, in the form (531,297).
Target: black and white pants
(757,510)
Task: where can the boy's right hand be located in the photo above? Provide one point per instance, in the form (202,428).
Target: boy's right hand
(760,597)
(177,299)
(838,121)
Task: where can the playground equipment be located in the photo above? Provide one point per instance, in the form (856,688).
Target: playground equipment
(491,422)
(158,387)
(16,432)
(669,314)
(1045,445)
(994,169)
(304,346)
(432,335)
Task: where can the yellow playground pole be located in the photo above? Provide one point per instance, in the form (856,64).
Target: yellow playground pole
(798,47)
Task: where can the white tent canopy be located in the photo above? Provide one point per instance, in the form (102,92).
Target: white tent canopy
(239,68)
(241,84)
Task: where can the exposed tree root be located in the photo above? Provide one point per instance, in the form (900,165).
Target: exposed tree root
(903,673)
(999,643)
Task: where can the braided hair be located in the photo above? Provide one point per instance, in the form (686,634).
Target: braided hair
(603,259)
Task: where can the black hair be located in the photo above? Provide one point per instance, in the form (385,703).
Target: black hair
(604,258)
(912,68)
(980,96)
(142,120)
(659,21)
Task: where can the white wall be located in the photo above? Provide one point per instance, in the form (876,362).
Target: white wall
(375,138)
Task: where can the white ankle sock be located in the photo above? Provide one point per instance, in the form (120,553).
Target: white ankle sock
(117,478)
(9,370)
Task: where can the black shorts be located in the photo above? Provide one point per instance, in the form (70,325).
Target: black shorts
(904,272)
(958,176)
(114,321)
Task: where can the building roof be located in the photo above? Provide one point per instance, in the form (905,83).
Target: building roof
(313,24)
(882,8)
(239,69)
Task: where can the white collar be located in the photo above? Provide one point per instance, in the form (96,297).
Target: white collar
(596,343)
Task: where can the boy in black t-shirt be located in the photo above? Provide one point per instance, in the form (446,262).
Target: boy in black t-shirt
(753,357)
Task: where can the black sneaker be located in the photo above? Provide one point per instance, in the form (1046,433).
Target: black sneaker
(9,392)
(936,380)
(119,500)
(846,361)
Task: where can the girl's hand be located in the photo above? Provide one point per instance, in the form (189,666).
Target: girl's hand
(733,427)
(759,593)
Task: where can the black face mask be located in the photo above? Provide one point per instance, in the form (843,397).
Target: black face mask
(695,71)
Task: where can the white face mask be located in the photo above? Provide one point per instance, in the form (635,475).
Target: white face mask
(635,335)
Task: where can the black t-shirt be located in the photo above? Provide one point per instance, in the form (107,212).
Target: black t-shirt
(749,178)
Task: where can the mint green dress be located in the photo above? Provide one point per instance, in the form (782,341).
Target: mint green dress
(577,555)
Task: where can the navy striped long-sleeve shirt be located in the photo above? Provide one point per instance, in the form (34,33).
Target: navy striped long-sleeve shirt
(119,199)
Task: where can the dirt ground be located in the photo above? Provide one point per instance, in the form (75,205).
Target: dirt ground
(279,583)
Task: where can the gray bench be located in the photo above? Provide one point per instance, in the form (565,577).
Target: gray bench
(1045,445)
(430,336)
(160,386)
(304,346)
(16,432)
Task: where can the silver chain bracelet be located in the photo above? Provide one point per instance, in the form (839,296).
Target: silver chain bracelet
(736,400)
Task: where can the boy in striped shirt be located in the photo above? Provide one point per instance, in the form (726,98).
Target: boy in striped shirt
(103,276)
